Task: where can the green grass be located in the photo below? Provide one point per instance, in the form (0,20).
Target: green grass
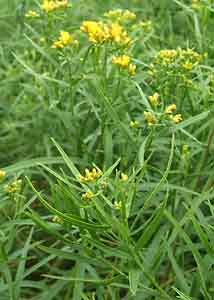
(146,229)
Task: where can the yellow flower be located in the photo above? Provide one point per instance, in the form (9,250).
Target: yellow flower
(91,176)
(97,31)
(51,5)
(188,65)
(13,187)
(88,195)
(118,205)
(154,99)
(176,118)
(132,69)
(122,60)
(170,108)
(134,124)
(124,177)
(2,174)
(149,117)
(57,45)
(120,15)
(32,14)
(118,34)
(64,39)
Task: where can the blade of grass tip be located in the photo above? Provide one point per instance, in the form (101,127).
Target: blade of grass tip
(113,113)
(67,160)
(59,177)
(182,296)
(41,51)
(197,31)
(45,226)
(39,76)
(193,120)
(145,101)
(190,136)
(74,220)
(181,4)
(111,169)
(26,164)
(180,277)
(142,150)
(147,275)
(8,277)
(158,186)
(134,279)
(153,225)
(21,267)
(108,146)
(78,285)
(193,249)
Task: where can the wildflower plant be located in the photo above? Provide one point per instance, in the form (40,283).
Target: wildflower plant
(119,204)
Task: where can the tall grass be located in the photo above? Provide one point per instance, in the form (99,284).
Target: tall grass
(106,190)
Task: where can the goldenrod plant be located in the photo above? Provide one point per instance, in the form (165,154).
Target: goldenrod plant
(106,150)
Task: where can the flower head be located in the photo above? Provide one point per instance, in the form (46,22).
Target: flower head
(118,205)
(122,60)
(88,195)
(149,117)
(65,39)
(169,109)
(176,118)
(13,187)
(154,99)
(91,176)
(97,31)
(134,124)
(120,15)
(51,5)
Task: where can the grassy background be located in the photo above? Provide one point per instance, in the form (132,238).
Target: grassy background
(163,249)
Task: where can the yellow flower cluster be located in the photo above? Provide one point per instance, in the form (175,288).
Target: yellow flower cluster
(118,205)
(51,5)
(154,99)
(88,195)
(65,39)
(91,176)
(170,108)
(98,32)
(31,14)
(124,62)
(120,15)
(134,124)
(149,117)
(185,58)
(13,187)
(177,118)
